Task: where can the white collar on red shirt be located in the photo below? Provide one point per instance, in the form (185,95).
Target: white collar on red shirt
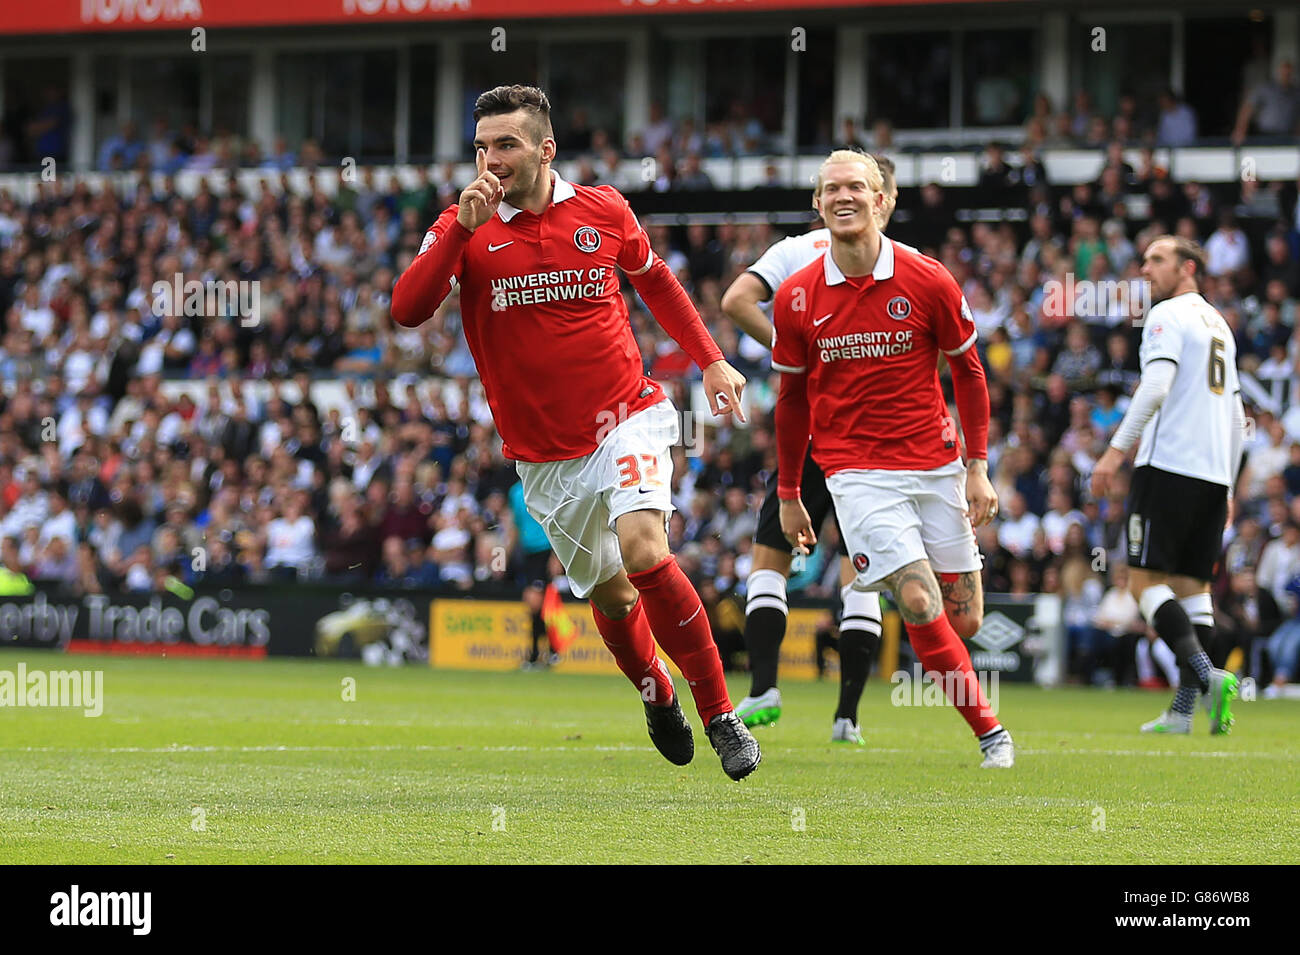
(884,264)
(560,191)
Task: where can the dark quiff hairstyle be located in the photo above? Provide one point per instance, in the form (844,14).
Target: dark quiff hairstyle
(510,99)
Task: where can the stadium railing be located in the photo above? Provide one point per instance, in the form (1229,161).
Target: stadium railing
(959,168)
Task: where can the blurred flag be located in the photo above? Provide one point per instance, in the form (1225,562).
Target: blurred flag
(560,628)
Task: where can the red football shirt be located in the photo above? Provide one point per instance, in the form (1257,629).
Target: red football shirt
(870,348)
(545,322)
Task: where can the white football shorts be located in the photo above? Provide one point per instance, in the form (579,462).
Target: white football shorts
(890,519)
(577,501)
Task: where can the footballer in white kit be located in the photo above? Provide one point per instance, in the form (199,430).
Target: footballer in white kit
(1187,411)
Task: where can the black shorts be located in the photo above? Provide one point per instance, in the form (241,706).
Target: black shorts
(1175,523)
(816,499)
(536,569)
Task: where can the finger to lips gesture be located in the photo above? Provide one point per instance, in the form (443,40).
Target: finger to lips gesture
(479,200)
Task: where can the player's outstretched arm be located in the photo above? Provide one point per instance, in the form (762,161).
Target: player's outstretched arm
(427,280)
(740,303)
(673,310)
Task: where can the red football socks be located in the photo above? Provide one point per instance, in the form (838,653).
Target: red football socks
(941,651)
(681,626)
(633,647)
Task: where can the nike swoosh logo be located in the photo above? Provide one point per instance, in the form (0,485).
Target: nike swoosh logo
(494,248)
(824,318)
(647,490)
(683,623)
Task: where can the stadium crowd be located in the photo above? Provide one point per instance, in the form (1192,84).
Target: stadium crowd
(112,479)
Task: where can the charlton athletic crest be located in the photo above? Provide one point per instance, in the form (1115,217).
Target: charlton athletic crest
(899,308)
(586,239)
(860,562)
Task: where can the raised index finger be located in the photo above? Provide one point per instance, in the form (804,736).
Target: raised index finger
(480,159)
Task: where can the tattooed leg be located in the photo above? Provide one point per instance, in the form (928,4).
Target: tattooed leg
(916,591)
(963,601)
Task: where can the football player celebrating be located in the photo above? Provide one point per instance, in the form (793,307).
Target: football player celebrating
(1187,410)
(765,608)
(858,336)
(535,258)
(765,593)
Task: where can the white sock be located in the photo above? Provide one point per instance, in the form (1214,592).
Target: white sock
(861,610)
(1200,607)
(765,588)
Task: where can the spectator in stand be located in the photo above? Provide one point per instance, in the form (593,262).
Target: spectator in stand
(658,133)
(687,139)
(1060,517)
(1270,109)
(1279,266)
(693,175)
(407,517)
(1089,647)
(281,158)
(47,132)
(398,569)
(1060,132)
(1177,122)
(1081,115)
(1017,527)
(1279,562)
(290,542)
(1079,362)
(351,549)
(996,176)
(850,136)
(1243,614)
(1227,251)
(737,521)
(451,550)
(1267,459)
(121,151)
(1119,616)
(665,167)
(1029,173)
(1284,643)
(882,136)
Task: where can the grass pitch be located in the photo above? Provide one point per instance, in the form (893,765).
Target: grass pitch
(265,762)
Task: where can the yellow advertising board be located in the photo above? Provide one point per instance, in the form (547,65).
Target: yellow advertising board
(496,635)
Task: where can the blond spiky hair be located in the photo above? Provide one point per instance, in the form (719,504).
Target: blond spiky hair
(874,177)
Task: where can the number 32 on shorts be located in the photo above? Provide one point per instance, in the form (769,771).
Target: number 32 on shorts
(630,473)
